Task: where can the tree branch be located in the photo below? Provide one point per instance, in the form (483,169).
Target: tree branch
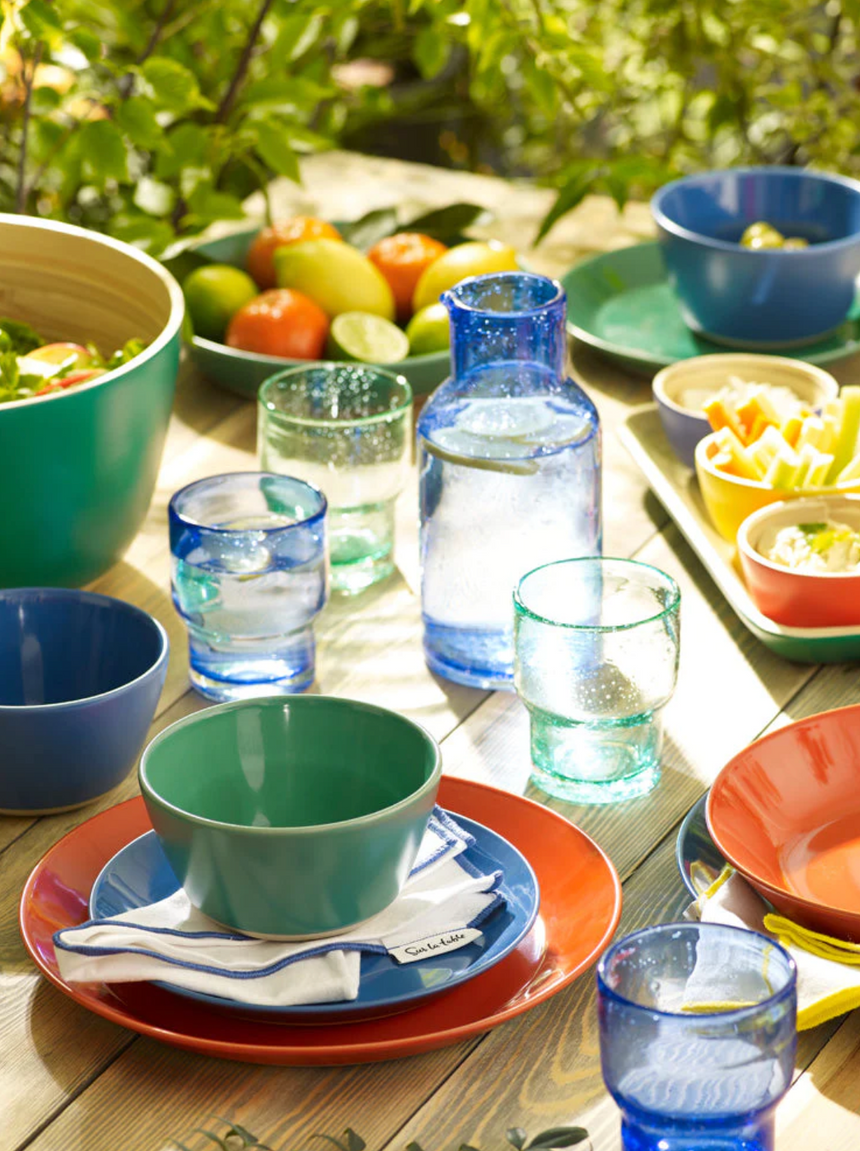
(229,97)
(21,186)
(127,82)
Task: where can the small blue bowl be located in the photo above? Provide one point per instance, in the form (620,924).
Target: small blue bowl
(761,299)
(80,677)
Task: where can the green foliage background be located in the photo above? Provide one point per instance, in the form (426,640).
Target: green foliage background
(152,118)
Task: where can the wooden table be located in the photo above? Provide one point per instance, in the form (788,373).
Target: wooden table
(70,1081)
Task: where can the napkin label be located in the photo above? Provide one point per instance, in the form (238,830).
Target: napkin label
(434,945)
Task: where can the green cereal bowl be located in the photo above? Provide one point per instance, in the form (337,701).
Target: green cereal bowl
(291,819)
(243,372)
(78,469)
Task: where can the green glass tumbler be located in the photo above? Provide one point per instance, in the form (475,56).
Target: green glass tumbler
(596,644)
(347,429)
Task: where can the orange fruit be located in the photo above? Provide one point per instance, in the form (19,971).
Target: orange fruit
(402,258)
(278,235)
(280,322)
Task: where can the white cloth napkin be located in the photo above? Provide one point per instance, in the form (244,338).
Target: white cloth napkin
(440,909)
(825,988)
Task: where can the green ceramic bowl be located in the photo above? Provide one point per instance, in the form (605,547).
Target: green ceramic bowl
(243,372)
(78,469)
(291,818)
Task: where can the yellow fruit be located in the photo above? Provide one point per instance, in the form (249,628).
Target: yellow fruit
(473,259)
(335,276)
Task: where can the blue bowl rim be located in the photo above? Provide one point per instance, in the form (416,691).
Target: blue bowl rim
(667,224)
(171,330)
(151,795)
(78,596)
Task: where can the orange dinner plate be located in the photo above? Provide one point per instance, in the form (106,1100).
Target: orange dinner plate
(580,908)
(785,812)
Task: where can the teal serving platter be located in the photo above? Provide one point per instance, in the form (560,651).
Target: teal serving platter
(621,304)
(243,372)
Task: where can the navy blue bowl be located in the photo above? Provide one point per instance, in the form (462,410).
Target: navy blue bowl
(761,299)
(80,677)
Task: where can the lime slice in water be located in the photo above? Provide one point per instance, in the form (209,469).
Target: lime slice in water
(510,418)
(471,451)
(367,338)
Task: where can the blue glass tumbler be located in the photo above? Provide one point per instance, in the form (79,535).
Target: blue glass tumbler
(249,575)
(509,458)
(697,1036)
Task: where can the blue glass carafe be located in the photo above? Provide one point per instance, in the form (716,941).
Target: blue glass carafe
(509,456)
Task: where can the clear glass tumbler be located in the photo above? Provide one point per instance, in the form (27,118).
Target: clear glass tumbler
(596,646)
(347,428)
(697,1036)
(249,576)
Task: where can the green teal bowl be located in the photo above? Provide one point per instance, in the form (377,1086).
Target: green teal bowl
(243,372)
(291,818)
(78,469)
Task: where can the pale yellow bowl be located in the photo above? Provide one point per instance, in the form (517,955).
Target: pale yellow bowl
(729,499)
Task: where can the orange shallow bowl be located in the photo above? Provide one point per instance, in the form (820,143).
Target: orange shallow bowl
(785,813)
(797,598)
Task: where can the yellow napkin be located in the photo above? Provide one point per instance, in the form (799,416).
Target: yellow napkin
(828,970)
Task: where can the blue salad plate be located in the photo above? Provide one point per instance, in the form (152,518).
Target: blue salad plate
(139,874)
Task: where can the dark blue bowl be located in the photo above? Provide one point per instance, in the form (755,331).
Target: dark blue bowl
(761,299)
(80,677)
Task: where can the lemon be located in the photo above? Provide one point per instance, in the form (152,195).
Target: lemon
(335,276)
(472,259)
(213,294)
(368,338)
(429,330)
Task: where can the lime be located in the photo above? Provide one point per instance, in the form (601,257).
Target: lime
(212,294)
(368,338)
(429,331)
(337,277)
(473,259)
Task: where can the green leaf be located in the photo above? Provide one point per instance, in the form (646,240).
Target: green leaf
(41,21)
(103,152)
(145,232)
(88,43)
(20,338)
(543,89)
(517,1136)
(153,197)
(187,147)
(448,223)
(44,101)
(354,1142)
(413,1146)
(174,87)
(430,51)
(557,1137)
(136,117)
(298,35)
(570,195)
(365,231)
(330,1139)
(207,203)
(275,151)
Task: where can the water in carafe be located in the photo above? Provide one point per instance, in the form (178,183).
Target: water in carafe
(510,471)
